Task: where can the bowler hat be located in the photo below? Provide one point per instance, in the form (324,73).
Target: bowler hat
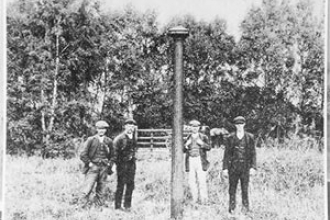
(130,121)
(239,120)
(194,123)
(102,124)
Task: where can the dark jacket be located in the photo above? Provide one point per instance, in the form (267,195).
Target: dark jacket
(90,147)
(124,148)
(202,152)
(249,153)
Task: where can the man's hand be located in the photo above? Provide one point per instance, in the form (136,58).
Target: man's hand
(225,173)
(111,169)
(252,172)
(187,144)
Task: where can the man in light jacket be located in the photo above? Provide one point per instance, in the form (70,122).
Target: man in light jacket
(196,147)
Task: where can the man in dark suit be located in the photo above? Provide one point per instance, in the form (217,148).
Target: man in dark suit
(239,163)
(97,156)
(196,147)
(125,145)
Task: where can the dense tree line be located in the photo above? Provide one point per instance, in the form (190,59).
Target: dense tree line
(71,63)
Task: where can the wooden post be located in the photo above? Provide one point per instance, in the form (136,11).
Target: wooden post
(152,144)
(152,141)
(179,34)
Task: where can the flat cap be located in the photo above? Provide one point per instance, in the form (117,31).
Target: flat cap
(239,120)
(102,124)
(194,123)
(130,121)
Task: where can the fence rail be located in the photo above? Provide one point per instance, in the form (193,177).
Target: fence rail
(156,138)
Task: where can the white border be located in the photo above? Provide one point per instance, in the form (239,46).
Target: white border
(326,176)
(3,101)
(3,98)
(326,82)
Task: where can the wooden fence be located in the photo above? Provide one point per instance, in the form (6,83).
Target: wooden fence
(156,138)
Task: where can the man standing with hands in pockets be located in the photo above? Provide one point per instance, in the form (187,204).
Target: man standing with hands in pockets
(97,156)
(239,163)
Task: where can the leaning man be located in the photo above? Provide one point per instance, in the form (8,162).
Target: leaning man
(125,146)
(239,163)
(196,147)
(97,156)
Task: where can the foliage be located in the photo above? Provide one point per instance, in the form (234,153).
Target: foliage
(281,44)
(31,66)
(71,63)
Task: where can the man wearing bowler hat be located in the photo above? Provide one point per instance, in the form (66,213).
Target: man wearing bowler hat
(125,145)
(97,156)
(196,147)
(239,162)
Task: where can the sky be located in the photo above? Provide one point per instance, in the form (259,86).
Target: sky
(233,11)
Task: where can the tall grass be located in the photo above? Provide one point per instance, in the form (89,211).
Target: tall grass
(289,185)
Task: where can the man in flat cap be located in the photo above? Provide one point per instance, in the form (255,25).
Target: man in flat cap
(97,156)
(196,147)
(125,145)
(239,163)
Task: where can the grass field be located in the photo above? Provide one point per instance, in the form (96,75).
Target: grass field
(289,185)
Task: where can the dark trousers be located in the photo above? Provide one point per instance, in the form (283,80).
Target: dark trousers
(126,174)
(239,172)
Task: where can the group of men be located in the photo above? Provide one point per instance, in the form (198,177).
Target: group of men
(239,162)
(101,157)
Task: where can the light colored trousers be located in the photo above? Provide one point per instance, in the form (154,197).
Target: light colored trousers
(197,180)
(95,175)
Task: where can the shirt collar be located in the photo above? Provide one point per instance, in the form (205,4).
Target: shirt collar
(101,139)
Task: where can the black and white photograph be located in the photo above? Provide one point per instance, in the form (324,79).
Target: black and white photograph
(177,109)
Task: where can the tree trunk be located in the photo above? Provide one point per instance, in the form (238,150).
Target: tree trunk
(100,94)
(48,129)
(297,126)
(130,106)
(53,106)
(43,125)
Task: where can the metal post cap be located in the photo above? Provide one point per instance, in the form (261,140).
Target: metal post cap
(178,31)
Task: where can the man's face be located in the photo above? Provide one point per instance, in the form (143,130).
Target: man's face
(129,128)
(239,127)
(194,129)
(101,131)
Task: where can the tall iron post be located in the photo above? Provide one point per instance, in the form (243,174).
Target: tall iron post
(179,34)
